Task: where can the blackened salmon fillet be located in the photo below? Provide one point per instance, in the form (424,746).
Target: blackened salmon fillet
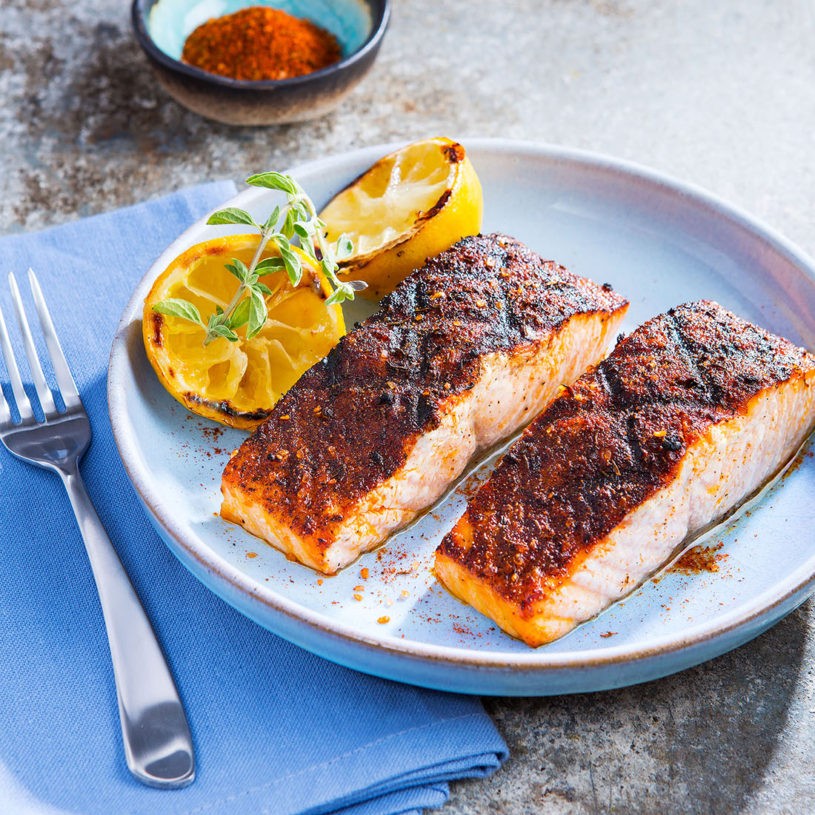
(464,352)
(687,418)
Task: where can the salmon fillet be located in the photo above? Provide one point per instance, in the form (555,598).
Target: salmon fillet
(464,352)
(679,425)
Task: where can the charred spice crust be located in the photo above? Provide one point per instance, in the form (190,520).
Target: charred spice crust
(612,440)
(386,381)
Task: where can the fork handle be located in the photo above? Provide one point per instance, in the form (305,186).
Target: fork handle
(157,741)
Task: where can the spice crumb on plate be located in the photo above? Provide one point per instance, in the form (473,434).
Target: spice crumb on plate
(699,559)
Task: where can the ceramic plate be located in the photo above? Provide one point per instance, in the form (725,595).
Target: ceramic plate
(658,241)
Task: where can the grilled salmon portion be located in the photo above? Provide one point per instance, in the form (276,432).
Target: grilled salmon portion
(464,352)
(687,417)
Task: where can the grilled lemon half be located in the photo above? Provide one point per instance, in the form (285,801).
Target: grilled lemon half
(408,207)
(237,383)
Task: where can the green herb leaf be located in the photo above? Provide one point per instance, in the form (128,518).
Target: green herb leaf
(240,316)
(274,181)
(257,314)
(288,224)
(268,265)
(219,318)
(301,211)
(342,293)
(231,215)
(263,288)
(238,268)
(271,222)
(301,229)
(293,266)
(221,330)
(175,307)
(343,247)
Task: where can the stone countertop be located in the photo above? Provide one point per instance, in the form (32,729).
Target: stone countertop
(717,94)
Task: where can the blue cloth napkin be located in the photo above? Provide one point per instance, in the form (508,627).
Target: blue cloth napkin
(276,729)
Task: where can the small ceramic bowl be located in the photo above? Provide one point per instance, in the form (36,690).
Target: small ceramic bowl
(162,26)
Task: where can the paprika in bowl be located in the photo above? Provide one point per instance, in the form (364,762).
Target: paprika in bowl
(258,62)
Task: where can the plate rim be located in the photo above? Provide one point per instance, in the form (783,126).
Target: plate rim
(798,583)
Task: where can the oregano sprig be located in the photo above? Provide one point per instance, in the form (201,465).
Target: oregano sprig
(295,222)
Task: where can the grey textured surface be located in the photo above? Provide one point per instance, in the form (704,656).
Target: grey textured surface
(720,94)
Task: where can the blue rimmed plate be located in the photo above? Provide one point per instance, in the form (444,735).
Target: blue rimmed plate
(658,241)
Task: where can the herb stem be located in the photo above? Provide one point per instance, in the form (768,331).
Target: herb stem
(321,242)
(264,239)
(242,288)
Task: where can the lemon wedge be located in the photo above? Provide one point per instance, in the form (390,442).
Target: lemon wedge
(237,383)
(408,207)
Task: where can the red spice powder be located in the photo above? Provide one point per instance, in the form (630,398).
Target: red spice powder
(260,43)
(699,559)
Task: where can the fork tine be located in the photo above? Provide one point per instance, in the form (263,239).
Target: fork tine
(23,405)
(37,375)
(65,381)
(5,411)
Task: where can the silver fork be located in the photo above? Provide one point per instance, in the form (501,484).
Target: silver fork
(157,741)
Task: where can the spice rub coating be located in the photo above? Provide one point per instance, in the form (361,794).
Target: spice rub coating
(686,418)
(451,363)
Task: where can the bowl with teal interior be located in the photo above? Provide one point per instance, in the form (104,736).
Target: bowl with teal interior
(162,26)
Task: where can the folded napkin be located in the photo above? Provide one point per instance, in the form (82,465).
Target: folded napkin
(276,729)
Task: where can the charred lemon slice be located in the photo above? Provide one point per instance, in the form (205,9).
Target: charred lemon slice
(237,383)
(408,207)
